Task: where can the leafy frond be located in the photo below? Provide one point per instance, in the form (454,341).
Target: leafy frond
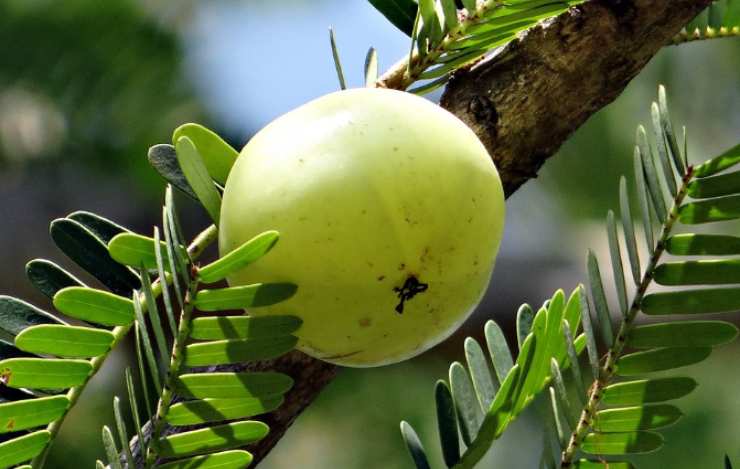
(482,397)
(445,38)
(220,405)
(623,407)
(720,19)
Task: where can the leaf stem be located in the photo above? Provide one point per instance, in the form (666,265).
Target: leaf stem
(608,369)
(204,239)
(176,358)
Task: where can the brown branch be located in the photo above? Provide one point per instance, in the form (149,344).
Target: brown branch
(523,104)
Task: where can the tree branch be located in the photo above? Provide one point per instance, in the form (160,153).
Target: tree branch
(523,104)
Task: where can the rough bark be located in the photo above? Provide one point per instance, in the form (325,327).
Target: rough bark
(523,104)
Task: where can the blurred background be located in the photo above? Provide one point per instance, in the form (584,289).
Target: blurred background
(86,87)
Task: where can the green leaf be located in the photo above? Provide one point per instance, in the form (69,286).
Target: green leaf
(90,253)
(660,144)
(218,156)
(642,197)
(96,306)
(243,327)
(122,432)
(217,410)
(235,459)
(715,186)
(131,392)
(498,349)
(239,258)
(151,306)
(698,272)
(163,159)
(101,227)
(561,425)
(690,244)
(337,62)
(159,253)
(371,68)
(647,390)
(479,373)
(229,351)
(31,413)
(16,315)
(233,385)
(136,250)
(599,298)
(248,296)
(111,451)
(572,314)
(629,231)
(651,175)
(629,419)
(194,168)
(23,448)
(667,130)
(43,373)
(660,359)
(467,406)
(561,394)
(65,341)
(711,210)
(145,343)
(206,440)
(588,333)
(710,300)
(413,444)
(719,163)
(621,443)
(524,320)
(447,423)
(731,18)
(587,464)
(618,270)
(49,278)
(449,9)
(682,334)
(401,13)
(574,364)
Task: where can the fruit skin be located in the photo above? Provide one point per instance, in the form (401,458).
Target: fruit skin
(369,189)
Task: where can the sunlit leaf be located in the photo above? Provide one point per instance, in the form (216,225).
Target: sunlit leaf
(726,160)
(31,413)
(43,373)
(682,334)
(710,210)
(715,186)
(248,296)
(206,440)
(111,451)
(217,410)
(243,327)
(710,300)
(233,385)
(660,359)
(690,244)
(23,448)
(136,250)
(647,390)
(218,156)
(96,306)
(629,419)
(194,168)
(239,258)
(621,443)
(224,352)
(65,341)
(234,459)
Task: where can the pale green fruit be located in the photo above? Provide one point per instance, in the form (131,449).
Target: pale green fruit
(376,194)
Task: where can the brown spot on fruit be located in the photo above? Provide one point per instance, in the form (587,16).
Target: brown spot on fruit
(410,289)
(365,322)
(381,278)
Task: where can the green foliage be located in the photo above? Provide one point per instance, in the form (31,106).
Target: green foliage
(721,19)
(478,404)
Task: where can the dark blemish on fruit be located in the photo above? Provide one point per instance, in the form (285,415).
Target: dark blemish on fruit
(402,266)
(395,148)
(364,212)
(381,278)
(365,322)
(410,289)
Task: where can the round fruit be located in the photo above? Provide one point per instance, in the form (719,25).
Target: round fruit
(390,212)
